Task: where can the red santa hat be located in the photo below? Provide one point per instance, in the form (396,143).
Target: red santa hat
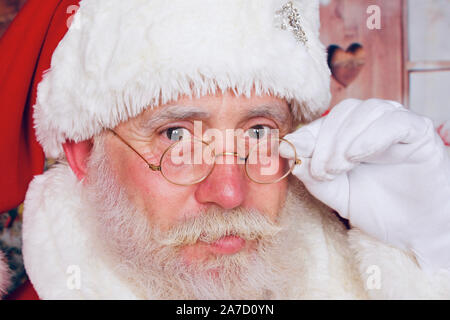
(25,53)
(69,76)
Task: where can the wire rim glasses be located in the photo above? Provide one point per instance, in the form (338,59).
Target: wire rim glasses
(171,167)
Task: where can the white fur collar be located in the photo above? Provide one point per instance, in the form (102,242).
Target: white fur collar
(56,245)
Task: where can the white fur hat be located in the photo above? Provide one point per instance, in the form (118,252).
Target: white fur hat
(120,57)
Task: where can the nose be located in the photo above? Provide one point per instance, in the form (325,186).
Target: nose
(225,186)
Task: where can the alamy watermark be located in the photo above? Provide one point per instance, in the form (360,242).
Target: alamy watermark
(373,281)
(373,22)
(73,277)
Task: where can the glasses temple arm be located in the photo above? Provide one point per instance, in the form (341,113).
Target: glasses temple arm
(151,166)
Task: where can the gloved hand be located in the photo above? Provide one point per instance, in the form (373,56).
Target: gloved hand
(385,169)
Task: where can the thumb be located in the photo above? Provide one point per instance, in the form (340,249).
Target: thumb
(334,193)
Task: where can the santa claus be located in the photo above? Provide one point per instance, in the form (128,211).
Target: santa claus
(182,172)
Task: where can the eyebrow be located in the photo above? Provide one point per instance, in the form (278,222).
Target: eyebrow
(177,112)
(269,111)
(171,113)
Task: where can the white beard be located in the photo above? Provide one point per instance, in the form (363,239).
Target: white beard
(140,254)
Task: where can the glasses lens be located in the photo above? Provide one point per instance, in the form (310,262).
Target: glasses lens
(187,162)
(265,165)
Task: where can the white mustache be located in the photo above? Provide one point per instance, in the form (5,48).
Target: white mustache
(215,223)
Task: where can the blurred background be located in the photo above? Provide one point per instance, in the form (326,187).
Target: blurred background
(388,49)
(407,59)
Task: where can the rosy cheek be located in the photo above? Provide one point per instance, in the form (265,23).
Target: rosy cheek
(268,199)
(143,178)
(148,186)
(163,202)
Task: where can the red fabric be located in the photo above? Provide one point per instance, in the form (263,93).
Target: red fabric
(326,112)
(24,292)
(25,53)
(445,134)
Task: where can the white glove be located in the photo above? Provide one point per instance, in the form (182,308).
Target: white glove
(385,169)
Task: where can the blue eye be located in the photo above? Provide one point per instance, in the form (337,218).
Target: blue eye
(258,132)
(176,133)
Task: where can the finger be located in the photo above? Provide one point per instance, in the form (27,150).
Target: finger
(303,143)
(402,128)
(326,138)
(304,140)
(301,171)
(353,126)
(334,194)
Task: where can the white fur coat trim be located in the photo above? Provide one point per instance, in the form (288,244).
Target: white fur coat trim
(337,264)
(121,57)
(4,275)
(56,245)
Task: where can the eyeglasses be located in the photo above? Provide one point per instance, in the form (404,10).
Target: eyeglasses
(190,161)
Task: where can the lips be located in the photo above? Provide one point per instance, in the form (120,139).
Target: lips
(227,245)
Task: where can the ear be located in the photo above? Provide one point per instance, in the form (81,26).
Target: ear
(77,155)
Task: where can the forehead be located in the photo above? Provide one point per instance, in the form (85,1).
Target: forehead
(223,106)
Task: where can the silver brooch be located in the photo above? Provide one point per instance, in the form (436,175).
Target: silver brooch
(288,17)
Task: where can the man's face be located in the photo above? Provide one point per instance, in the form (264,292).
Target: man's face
(227,188)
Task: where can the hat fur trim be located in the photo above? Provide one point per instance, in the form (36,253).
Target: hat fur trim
(121,57)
